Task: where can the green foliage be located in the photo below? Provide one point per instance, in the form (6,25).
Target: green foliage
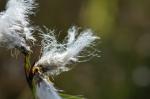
(66,96)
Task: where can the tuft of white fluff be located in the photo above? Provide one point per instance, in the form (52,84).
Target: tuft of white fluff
(46,90)
(56,56)
(15,28)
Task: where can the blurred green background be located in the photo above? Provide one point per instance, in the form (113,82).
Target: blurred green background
(122,72)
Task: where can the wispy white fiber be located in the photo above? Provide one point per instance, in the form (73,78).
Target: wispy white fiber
(46,90)
(56,56)
(15,28)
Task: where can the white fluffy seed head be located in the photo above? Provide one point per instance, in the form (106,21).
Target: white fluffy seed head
(15,28)
(56,56)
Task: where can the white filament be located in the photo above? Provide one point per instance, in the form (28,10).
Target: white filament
(46,90)
(14,24)
(56,56)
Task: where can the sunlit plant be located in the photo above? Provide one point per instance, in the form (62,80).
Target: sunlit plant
(56,57)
